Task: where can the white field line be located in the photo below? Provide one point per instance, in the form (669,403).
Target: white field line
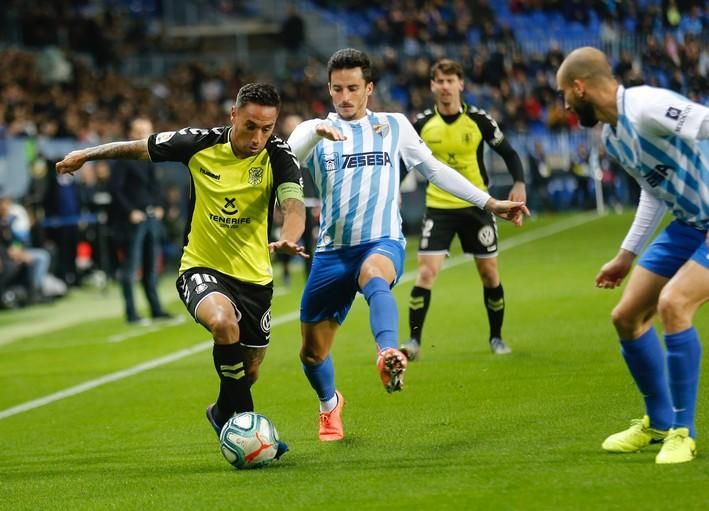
(150,328)
(535,235)
(66,318)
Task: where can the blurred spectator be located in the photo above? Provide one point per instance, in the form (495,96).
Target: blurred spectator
(539,174)
(62,207)
(138,214)
(583,173)
(174,224)
(608,181)
(293,30)
(96,202)
(14,277)
(15,225)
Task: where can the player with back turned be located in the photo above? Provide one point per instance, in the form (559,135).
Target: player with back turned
(225,276)
(455,132)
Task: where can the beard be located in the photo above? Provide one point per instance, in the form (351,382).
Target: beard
(587,117)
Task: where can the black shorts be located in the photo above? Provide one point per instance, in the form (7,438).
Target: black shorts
(252,302)
(475,227)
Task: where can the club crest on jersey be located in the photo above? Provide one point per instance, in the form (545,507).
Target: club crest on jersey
(331,161)
(255,175)
(381,129)
(230,206)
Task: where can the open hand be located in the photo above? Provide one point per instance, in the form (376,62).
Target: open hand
(514,211)
(328,131)
(288,247)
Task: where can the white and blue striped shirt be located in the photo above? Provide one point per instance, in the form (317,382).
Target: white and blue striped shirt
(358,178)
(656,139)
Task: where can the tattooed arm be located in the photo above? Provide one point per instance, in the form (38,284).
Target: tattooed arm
(293,210)
(132,150)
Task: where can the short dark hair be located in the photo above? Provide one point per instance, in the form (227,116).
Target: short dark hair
(447,67)
(349,58)
(259,93)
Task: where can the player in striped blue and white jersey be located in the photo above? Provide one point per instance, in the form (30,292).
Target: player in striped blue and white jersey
(662,140)
(353,157)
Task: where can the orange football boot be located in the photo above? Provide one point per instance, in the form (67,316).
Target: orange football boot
(331,422)
(392,365)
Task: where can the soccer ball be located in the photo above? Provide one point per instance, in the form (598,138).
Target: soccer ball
(249,440)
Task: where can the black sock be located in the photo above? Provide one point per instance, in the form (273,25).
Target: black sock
(495,305)
(419,301)
(234,386)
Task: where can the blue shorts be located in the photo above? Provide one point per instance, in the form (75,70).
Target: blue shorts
(332,285)
(676,245)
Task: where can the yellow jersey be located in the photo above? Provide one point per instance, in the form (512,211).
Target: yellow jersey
(231,199)
(456,140)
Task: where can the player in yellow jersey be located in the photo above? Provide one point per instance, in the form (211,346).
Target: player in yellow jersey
(225,277)
(455,132)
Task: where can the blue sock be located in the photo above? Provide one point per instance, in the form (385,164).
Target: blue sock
(383,314)
(322,378)
(684,355)
(646,362)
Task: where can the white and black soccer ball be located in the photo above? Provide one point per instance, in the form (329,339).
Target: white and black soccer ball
(249,440)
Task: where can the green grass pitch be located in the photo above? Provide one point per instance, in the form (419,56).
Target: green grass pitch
(470,431)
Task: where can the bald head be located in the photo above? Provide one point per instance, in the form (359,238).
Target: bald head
(586,82)
(587,64)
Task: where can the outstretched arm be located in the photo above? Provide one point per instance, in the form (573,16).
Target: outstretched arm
(131,150)
(451,181)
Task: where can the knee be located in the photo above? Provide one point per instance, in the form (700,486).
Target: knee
(311,356)
(487,269)
(626,324)
(223,326)
(490,279)
(427,276)
(673,307)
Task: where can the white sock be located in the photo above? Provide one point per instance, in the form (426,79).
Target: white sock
(328,405)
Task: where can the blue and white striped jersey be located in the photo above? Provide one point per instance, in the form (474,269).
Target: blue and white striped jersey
(657,141)
(358,178)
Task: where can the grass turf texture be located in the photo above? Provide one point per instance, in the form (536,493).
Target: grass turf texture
(471,430)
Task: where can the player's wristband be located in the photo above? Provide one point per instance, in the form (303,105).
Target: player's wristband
(289,190)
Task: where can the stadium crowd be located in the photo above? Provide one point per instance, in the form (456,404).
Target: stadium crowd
(67,84)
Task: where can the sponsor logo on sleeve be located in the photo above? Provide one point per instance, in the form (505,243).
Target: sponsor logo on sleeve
(679,115)
(164,136)
(673,113)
